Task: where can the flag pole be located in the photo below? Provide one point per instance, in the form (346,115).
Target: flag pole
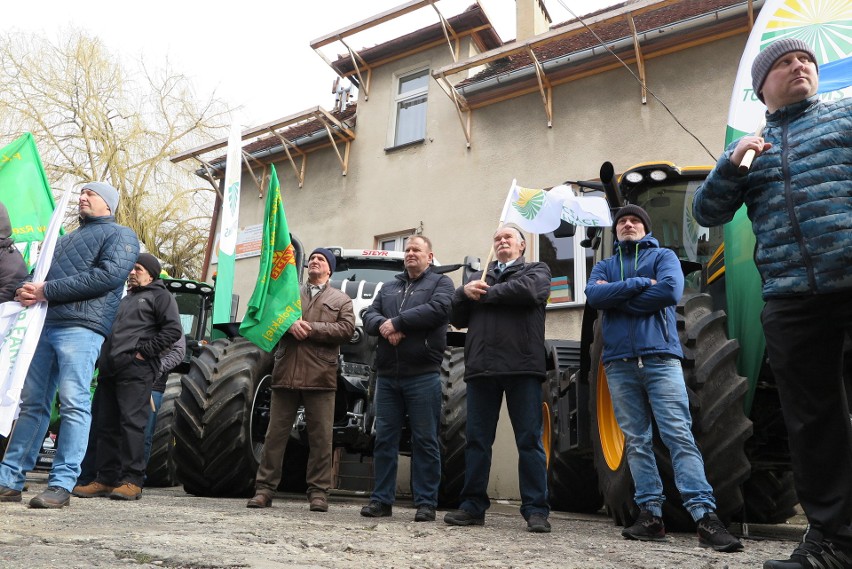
(503,213)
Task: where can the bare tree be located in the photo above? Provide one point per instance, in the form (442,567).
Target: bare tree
(95,119)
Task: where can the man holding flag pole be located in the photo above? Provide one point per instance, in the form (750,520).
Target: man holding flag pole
(306,327)
(82,291)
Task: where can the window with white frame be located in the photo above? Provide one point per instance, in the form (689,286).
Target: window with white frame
(570,265)
(410,107)
(394,242)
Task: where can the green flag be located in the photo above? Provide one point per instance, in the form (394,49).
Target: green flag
(276,302)
(24,190)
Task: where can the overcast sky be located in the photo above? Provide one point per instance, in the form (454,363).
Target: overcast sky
(251,54)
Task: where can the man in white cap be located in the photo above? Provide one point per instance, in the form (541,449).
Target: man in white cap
(83,289)
(799,197)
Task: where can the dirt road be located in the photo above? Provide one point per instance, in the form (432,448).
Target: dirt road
(169,528)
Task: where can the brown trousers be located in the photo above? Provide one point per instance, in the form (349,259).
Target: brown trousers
(319,416)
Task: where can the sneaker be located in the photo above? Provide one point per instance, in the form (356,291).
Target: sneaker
(463,518)
(126,491)
(53,497)
(92,490)
(376,509)
(538,524)
(318,504)
(425,513)
(813,553)
(713,533)
(647,527)
(9,495)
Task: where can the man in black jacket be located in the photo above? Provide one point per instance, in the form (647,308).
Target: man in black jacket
(13,269)
(503,311)
(410,315)
(146,325)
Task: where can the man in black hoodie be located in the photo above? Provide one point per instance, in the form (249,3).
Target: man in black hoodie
(146,325)
(13,270)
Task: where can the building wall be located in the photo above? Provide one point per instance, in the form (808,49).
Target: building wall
(455,194)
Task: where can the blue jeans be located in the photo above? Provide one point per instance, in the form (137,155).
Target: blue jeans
(157,396)
(657,389)
(523,400)
(419,397)
(64,359)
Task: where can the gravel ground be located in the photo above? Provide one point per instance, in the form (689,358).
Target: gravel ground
(168,528)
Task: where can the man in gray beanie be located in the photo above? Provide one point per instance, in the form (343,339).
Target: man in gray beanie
(799,197)
(82,290)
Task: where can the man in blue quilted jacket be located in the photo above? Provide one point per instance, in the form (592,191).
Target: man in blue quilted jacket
(83,289)
(798,195)
(636,290)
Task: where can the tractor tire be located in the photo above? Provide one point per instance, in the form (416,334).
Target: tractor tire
(218,425)
(770,497)
(572,483)
(716,395)
(453,424)
(161,470)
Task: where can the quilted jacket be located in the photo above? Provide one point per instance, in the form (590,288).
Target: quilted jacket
(798,196)
(85,281)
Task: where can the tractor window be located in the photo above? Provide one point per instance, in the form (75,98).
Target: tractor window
(189,307)
(366,270)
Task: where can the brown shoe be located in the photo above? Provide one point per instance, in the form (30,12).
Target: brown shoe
(53,498)
(9,495)
(93,490)
(318,504)
(126,491)
(260,501)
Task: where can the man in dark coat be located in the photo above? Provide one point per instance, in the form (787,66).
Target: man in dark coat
(147,324)
(305,373)
(503,311)
(13,269)
(410,316)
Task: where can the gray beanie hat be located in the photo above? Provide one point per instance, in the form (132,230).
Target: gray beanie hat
(631,209)
(107,192)
(766,58)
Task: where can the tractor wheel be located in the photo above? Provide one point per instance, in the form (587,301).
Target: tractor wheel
(218,422)
(770,497)
(161,470)
(716,394)
(453,424)
(572,482)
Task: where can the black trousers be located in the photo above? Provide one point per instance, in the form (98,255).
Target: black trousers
(123,403)
(804,340)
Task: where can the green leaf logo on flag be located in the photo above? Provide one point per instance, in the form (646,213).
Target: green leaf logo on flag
(276,301)
(529,202)
(24,190)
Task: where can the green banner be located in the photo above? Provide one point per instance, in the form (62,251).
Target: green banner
(24,190)
(275,303)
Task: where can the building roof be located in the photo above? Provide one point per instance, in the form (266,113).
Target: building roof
(608,31)
(473,20)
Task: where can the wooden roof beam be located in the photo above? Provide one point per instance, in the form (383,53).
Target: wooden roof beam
(460,103)
(640,59)
(544,88)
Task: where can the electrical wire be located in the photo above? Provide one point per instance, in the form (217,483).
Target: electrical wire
(645,85)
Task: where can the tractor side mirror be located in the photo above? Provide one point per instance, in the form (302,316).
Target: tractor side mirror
(471,265)
(565,229)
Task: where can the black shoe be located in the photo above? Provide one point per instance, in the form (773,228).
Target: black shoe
(425,513)
(647,527)
(538,524)
(713,533)
(53,497)
(813,553)
(9,495)
(463,518)
(376,509)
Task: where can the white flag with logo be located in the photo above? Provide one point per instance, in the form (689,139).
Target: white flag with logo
(20,328)
(541,211)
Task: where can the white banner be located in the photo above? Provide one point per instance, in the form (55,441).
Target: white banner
(540,211)
(21,328)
